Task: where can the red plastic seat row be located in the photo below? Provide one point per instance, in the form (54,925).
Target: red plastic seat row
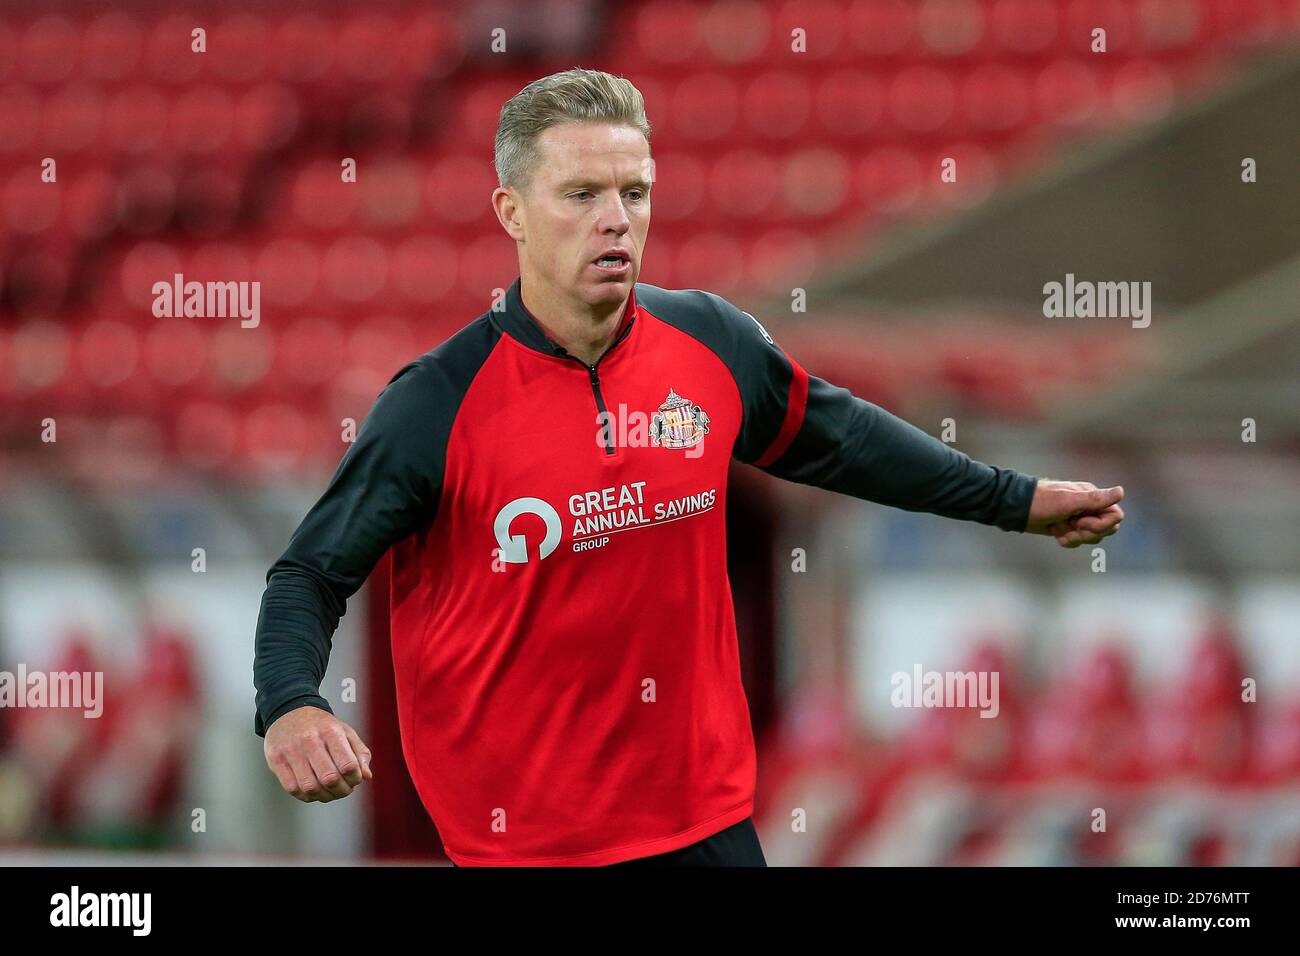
(241,46)
(144,119)
(682,32)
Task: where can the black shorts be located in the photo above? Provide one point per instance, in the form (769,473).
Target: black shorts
(737,845)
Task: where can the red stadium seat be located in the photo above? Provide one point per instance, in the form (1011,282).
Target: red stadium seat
(705,106)
(922,99)
(849,104)
(136,119)
(890,179)
(238,49)
(20,120)
(668,31)
(381,344)
(108,352)
(458,188)
(779,258)
(289,270)
(321,199)
(1023,27)
(141,266)
(390,192)
(311,350)
(479,111)
(272,438)
(881,27)
(777,104)
(743,183)
(49,49)
(266,117)
(815,182)
(305,48)
(241,357)
(174,352)
(112,46)
(355,268)
(206,434)
(88,204)
(485,264)
(169,54)
(218,262)
(1083,16)
(201,119)
(822,22)
(424,268)
(710,260)
(30,206)
(8,51)
(737,32)
(1066,93)
(1142,90)
(71,117)
(365,41)
(995,96)
(951,28)
(680,186)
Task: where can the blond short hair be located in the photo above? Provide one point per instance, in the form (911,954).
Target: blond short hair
(572,95)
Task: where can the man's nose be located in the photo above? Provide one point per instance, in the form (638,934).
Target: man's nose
(613,215)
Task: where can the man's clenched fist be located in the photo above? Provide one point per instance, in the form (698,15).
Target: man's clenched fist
(1075,512)
(315,756)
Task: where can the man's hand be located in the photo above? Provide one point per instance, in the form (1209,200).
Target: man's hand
(1075,512)
(315,756)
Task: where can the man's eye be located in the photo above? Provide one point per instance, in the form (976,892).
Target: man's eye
(637,195)
(579,194)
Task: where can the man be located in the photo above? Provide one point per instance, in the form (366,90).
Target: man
(552,483)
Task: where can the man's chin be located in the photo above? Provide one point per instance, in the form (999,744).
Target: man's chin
(606,288)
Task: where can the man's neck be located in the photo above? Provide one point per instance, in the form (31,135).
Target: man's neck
(582,331)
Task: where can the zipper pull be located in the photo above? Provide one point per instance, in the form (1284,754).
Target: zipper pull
(595,380)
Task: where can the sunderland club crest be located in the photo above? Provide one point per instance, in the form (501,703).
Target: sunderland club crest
(679,423)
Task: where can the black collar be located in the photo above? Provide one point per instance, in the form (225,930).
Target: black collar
(516,321)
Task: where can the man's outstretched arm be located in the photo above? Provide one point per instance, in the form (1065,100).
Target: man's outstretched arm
(802,428)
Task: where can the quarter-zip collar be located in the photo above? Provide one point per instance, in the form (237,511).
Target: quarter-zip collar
(517,322)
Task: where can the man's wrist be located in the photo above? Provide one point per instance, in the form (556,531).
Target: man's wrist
(263,723)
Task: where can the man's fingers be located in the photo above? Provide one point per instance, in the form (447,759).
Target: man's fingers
(345,759)
(284,773)
(1074,537)
(361,750)
(328,774)
(1092,502)
(306,787)
(1076,512)
(1107,520)
(316,756)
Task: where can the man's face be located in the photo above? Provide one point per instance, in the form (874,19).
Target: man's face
(590,192)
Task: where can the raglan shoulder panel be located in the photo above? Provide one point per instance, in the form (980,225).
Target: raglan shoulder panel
(762,371)
(441,378)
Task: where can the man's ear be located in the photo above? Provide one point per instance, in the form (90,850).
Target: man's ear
(510,211)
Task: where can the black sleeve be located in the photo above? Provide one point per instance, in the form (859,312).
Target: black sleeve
(385,488)
(800,428)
